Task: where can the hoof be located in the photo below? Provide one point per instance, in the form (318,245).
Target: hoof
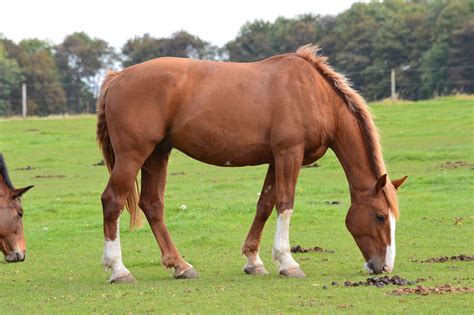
(255,270)
(187,274)
(129,278)
(292,273)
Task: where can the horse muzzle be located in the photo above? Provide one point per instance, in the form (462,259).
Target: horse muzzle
(376,268)
(15,257)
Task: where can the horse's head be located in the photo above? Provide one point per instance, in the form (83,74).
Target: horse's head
(371,220)
(12,239)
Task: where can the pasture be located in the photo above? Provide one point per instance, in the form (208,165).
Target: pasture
(430,141)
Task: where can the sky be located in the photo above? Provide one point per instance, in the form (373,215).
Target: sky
(116,21)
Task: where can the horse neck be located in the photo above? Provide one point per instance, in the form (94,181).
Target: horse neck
(350,148)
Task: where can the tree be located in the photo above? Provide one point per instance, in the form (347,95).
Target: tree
(140,49)
(82,61)
(434,66)
(287,35)
(180,44)
(253,42)
(185,45)
(11,79)
(460,61)
(259,39)
(45,92)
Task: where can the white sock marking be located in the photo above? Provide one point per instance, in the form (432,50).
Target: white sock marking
(112,258)
(254,260)
(281,246)
(391,250)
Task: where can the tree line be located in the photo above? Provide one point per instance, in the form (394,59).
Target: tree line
(428,44)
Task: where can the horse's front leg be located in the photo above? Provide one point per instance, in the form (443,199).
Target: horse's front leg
(287,166)
(265,205)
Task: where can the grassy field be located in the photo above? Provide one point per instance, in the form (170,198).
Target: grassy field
(63,222)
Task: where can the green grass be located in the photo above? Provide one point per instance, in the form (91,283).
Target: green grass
(63,222)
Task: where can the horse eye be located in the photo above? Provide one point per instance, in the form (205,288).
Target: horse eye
(20,213)
(380,217)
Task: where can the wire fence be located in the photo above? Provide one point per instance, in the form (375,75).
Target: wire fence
(47,99)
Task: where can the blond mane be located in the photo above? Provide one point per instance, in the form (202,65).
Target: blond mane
(358,107)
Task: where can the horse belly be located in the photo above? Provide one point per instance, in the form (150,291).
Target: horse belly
(222,147)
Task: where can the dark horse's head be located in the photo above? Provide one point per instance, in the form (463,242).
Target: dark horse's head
(12,238)
(371,220)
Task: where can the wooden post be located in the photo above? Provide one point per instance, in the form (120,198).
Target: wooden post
(23,99)
(392,80)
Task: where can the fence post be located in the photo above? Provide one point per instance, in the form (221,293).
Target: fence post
(23,99)
(392,80)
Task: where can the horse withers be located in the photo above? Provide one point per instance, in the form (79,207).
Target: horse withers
(285,111)
(12,238)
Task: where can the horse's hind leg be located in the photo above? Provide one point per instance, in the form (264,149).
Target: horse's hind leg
(152,203)
(265,205)
(120,184)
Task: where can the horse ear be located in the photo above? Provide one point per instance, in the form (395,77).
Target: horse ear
(381,182)
(398,182)
(15,193)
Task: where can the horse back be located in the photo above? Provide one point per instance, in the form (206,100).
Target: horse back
(224,113)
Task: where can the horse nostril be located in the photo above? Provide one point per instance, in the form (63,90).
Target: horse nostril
(371,266)
(17,256)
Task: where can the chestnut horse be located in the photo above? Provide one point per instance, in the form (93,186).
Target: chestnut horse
(12,238)
(285,111)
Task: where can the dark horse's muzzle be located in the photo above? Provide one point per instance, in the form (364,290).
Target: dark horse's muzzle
(15,257)
(376,266)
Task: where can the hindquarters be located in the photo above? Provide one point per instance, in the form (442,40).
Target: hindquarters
(120,137)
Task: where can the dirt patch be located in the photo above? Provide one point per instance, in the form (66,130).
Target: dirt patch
(381,282)
(177,173)
(31,130)
(443,259)
(332,202)
(27,168)
(345,305)
(311,165)
(317,249)
(422,290)
(458,221)
(49,176)
(100,163)
(450,165)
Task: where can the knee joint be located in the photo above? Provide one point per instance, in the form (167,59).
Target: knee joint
(152,209)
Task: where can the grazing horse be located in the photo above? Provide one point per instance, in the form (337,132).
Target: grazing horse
(12,238)
(285,111)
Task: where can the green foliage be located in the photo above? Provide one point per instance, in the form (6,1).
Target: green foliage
(434,72)
(460,55)
(10,82)
(253,42)
(82,61)
(180,44)
(45,93)
(259,39)
(63,224)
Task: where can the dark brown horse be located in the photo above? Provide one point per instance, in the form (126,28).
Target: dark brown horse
(285,111)
(12,238)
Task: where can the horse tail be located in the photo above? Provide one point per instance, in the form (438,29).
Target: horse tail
(107,149)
